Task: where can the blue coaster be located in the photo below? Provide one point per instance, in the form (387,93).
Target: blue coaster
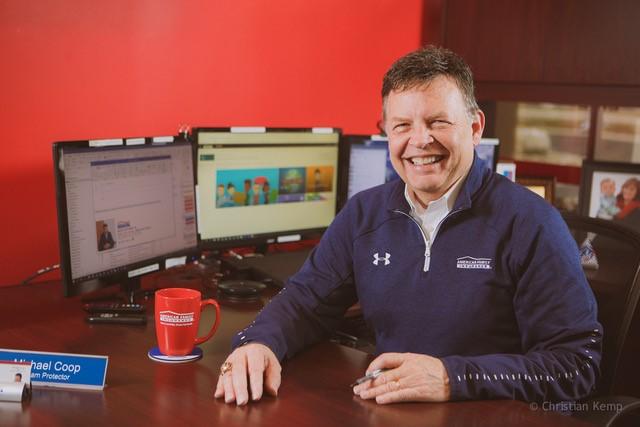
(155,355)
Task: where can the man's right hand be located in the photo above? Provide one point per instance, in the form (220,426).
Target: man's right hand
(257,363)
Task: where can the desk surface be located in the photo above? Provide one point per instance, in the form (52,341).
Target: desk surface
(315,388)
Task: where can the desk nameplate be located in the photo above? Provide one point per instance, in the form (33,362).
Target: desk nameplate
(80,371)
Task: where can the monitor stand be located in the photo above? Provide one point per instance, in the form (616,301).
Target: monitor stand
(125,292)
(261,249)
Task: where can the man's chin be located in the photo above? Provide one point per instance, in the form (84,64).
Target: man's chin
(428,192)
(425,184)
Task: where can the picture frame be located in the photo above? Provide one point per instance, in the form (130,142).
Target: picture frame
(611,191)
(544,186)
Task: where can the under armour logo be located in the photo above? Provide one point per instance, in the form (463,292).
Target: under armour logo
(377,258)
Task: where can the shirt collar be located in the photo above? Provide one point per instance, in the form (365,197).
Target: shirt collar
(446,201)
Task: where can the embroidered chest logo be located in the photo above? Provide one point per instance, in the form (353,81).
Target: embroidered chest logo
(474,263)
(377,258)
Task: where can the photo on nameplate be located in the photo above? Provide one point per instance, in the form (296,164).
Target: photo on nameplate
(15,372)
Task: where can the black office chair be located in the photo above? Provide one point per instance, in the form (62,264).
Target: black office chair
(610,255)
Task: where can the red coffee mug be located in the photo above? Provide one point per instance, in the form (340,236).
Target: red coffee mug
(177,319)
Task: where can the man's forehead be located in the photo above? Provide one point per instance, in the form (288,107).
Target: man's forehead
(420,86)
(449,90)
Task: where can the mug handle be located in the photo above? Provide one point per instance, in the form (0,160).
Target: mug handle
(204,303)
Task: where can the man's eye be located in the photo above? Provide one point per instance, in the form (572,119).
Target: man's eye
(440,123)
(400,126)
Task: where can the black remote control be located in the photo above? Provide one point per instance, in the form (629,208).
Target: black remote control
(117,318)
(112,307)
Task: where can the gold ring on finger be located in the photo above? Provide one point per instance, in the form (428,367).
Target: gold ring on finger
(226,367)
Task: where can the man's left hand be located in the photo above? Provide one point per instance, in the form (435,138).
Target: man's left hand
(409,377)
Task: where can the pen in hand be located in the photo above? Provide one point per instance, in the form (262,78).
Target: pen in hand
(370,376)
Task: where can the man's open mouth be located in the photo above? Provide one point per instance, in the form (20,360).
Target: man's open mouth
(425,160)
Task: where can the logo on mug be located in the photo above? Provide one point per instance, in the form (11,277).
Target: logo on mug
(171,318)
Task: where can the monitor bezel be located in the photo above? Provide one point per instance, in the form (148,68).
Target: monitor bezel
(106,278)
(261,241)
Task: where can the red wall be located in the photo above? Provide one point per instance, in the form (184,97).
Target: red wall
(87,69)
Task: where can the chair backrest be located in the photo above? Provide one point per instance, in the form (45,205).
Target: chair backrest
(615,281)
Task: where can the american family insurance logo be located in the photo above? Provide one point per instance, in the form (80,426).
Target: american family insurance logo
(171,318)
(474,263)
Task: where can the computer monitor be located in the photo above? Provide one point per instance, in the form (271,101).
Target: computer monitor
(126,207)
(258,186)
(487,150)
(365,162)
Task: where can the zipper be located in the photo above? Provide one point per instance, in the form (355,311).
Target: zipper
(427,247)
(427,250)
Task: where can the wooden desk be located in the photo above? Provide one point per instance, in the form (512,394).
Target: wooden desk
(315,388)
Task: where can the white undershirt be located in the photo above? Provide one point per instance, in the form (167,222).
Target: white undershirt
(430,218)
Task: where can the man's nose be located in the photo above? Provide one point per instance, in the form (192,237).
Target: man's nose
(421,137)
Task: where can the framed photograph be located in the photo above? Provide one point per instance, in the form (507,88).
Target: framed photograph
(611,191)
(544,187)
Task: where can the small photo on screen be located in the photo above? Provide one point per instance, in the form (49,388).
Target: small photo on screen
(104,234)
(246,187)
(291,185)
(319,179)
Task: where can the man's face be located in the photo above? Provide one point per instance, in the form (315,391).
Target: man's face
(431,136)
(608,188)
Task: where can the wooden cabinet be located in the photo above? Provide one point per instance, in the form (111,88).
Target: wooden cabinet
(501,40)
(553,42)
(593,42)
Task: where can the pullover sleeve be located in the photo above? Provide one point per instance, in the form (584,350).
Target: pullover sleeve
(556,312)
(314,300)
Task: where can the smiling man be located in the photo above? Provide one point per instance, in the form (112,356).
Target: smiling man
(472,284)
(432,133)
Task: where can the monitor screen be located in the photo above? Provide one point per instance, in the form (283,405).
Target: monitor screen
(364,163)
(487,150)
(258,186)
(369,163)
(124,207)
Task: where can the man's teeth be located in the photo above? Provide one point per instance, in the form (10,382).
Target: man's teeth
(425,160)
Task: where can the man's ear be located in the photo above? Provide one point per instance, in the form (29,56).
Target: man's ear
(477,126)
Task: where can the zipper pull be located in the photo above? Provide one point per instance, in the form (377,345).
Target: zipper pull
(427,259)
